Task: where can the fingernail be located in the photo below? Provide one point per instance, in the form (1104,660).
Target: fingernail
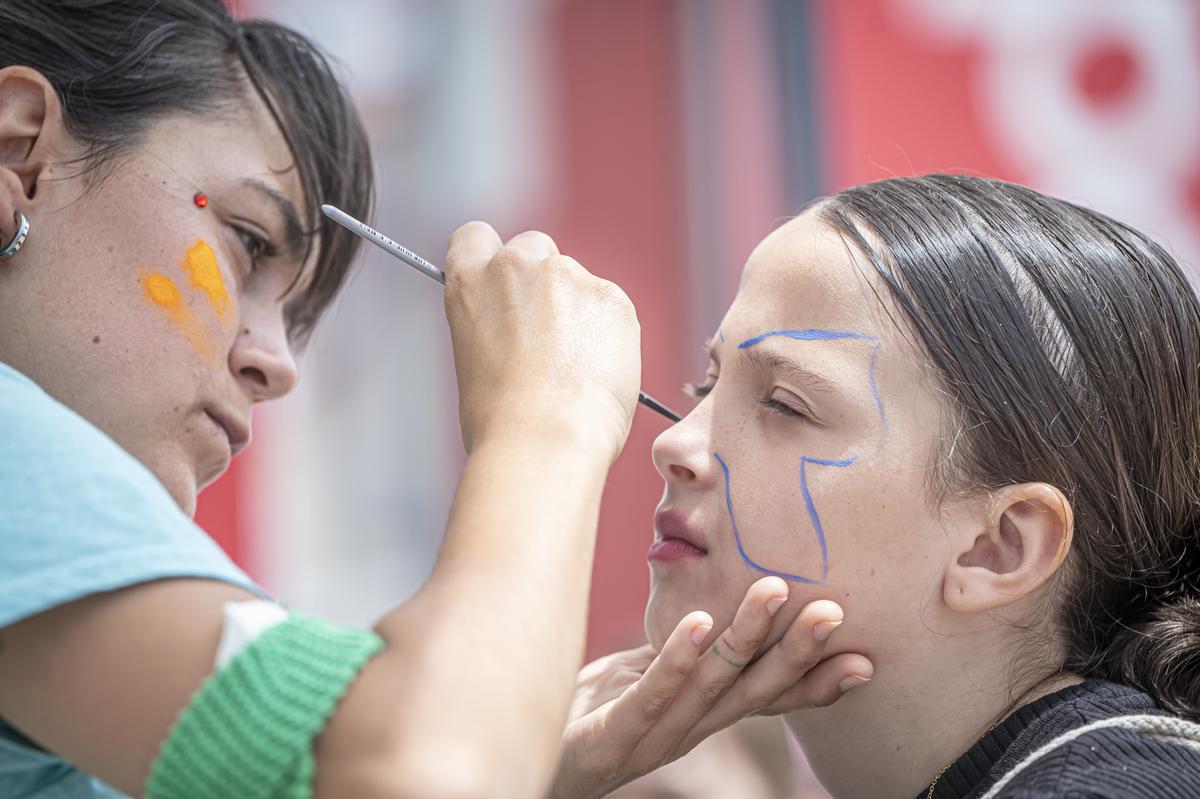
(774,604)
(823,629)
(699,633)
(853,681)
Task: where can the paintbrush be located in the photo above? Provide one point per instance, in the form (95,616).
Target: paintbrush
(429,270)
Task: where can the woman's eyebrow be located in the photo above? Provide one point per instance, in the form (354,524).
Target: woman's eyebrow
(767,361)
(293,230)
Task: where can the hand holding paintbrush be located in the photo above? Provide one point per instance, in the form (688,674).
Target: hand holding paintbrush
(541,346)
(429,270)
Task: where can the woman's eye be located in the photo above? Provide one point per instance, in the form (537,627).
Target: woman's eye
(697,392)
(781,408)
(257,247)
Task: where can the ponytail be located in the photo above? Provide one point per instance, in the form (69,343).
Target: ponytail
(1161,656)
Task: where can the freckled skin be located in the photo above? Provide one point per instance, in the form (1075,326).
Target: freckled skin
(150,385)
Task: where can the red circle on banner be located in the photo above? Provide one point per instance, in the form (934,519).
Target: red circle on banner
(1107,73)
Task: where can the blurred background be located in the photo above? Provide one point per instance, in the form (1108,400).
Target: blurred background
(658,141)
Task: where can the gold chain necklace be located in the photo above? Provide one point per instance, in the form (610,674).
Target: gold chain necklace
(937,777)
(946,767)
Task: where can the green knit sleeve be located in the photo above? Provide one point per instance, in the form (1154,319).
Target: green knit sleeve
(248,731)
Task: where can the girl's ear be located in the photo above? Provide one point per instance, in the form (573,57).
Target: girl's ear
(1019,542)
(29,110)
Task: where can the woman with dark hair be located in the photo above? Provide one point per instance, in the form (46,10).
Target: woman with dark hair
(970,414)
(161,253)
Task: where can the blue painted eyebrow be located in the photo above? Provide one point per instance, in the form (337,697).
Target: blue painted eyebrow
(810,334)
(822,334)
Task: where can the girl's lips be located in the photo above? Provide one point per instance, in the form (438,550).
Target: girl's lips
(675,539)
(674,524)
(669,550)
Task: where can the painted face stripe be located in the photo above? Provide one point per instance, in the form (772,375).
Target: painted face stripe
(811,334)
(737,537)
(201,267)
(163,292)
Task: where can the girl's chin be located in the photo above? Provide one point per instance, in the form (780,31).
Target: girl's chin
(666,608)
(658,623)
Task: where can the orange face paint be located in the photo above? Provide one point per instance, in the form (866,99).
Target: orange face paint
(163,292)
(201,266)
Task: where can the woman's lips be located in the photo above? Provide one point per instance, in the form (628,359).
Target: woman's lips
(669,550)
(675,539)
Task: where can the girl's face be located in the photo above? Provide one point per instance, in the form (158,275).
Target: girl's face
(158,320)
(806,456)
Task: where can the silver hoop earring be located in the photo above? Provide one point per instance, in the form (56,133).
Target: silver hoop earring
(18,239)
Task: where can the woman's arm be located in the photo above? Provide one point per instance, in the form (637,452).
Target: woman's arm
(486,652)
(470,694)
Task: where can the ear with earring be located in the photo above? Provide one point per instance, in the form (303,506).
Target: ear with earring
(18,238)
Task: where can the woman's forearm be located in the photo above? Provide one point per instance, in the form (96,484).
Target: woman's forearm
(471,692)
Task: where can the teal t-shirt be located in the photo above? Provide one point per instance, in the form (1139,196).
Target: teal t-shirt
(78,515)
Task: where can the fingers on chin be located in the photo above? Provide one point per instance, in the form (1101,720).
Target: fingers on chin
(823,685)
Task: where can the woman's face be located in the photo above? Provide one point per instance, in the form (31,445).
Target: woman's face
(807,455)
(159,320)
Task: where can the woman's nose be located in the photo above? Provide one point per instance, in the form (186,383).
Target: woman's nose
(261,359)
(683,452)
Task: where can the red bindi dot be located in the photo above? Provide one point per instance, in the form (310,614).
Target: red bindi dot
(201,199)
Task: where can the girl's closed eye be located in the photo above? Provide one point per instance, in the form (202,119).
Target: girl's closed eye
(785,406)
(790,407)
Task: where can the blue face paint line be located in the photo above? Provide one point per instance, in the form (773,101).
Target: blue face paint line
(812,334)
(721,335)
(823,462)
(813,516)
(737,537)
(819,334)
(875,393)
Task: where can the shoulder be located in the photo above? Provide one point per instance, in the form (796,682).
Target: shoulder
(79,514)
(1116,757)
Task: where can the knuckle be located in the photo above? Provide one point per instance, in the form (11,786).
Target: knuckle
(771,709)
(757,703)
(710,692)
(610,291)
(652,704)
(678,667)
(797,657)
(566,262)
(469,228)
(532,243)
(558,263)
(755,638)
(533,236)
(506,257)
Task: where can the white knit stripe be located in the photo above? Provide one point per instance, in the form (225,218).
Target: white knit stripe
(1161,728)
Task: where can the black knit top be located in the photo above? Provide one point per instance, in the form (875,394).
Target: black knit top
(1109,763)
